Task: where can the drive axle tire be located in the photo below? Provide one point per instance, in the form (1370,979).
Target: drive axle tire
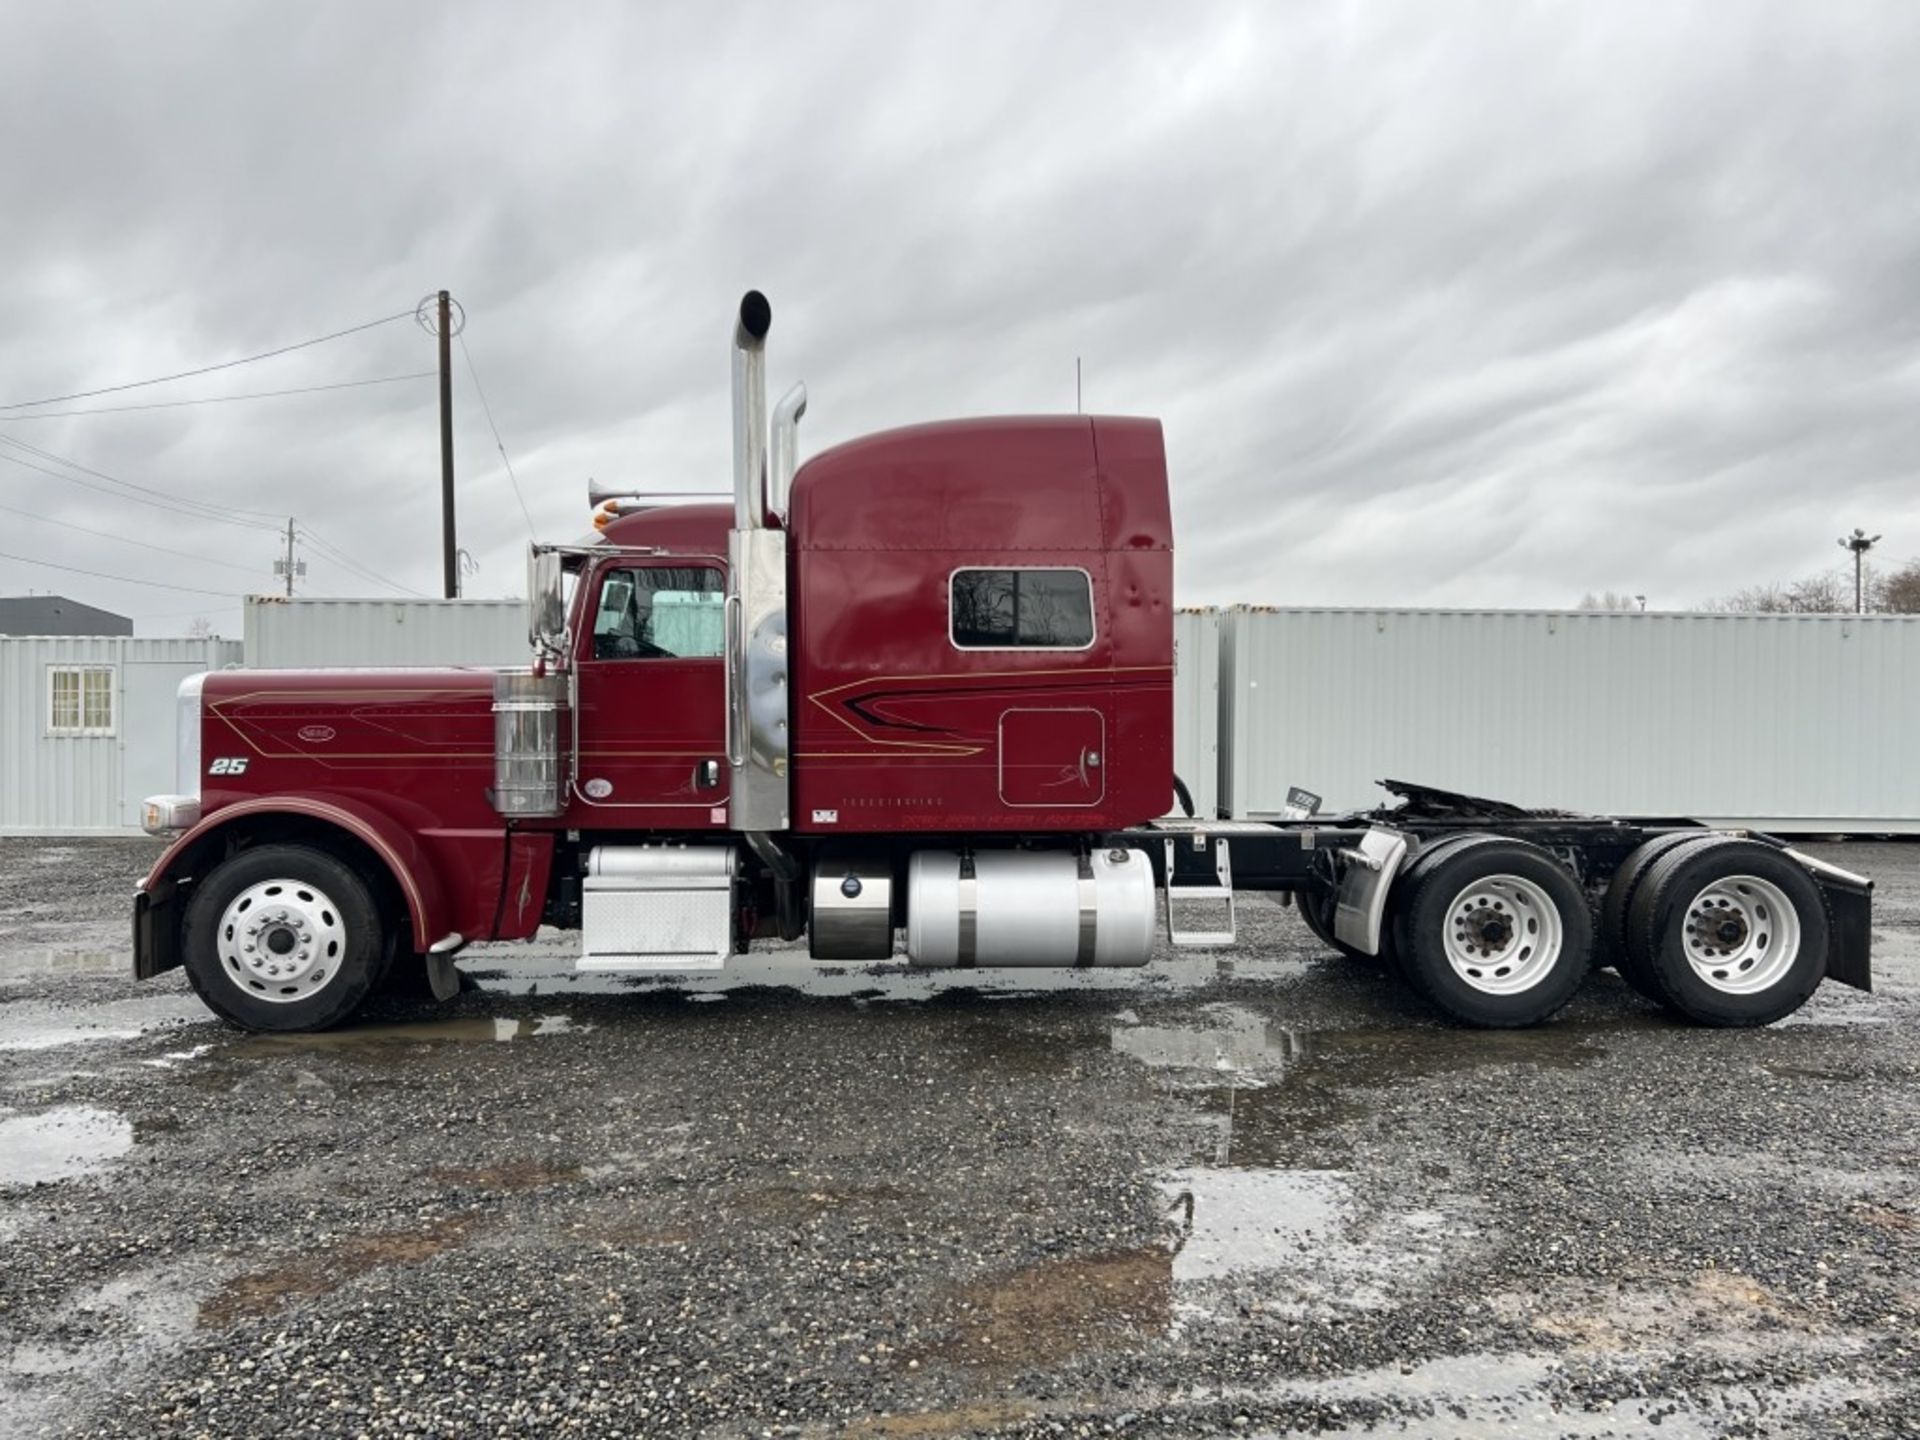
(1310,902)
(1611,948)
(1731,932)
(1493,931)
(283,937)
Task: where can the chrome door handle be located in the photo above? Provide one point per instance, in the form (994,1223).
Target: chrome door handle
(706,774)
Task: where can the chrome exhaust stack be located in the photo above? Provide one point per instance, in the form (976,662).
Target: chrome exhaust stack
(750,412)
(786,448)
(756,613)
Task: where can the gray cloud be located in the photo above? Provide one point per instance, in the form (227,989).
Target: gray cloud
(1455,305)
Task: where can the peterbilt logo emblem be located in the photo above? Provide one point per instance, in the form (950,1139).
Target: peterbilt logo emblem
(316,734)
(598,789)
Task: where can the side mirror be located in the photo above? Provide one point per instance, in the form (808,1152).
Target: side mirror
(546,604)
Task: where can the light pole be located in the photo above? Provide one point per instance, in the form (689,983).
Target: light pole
(1859,543)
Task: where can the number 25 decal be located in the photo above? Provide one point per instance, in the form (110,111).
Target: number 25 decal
(228,765)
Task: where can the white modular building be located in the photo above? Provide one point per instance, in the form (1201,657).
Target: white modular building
(1789,723)
(87,727)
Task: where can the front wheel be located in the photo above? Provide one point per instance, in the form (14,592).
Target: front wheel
(283,937)
(1495,932)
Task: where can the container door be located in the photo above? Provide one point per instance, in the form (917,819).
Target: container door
(652,695)
(1053,759)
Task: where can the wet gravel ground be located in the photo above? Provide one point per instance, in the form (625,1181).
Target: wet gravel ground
(1252,1194)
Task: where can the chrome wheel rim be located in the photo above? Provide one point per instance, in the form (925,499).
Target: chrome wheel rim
(1742,935)
(1503,934)
(282,941)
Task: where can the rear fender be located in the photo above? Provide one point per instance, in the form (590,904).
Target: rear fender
(156,945)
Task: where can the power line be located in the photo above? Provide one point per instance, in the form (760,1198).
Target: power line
(166,495)
(215,399)
(340,557)
(498,443)
(194,508)
(126,540)
(207,369)
(123,579)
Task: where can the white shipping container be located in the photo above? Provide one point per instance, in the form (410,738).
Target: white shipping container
(1196,706)
(306,634)
(1805,723)
(87,727)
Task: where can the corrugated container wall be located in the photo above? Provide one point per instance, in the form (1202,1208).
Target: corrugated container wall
(304,634)
(1787,722)
(1196,706)
(83,765)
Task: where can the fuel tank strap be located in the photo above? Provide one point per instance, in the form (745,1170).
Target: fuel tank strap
(1089,914)
(969,914)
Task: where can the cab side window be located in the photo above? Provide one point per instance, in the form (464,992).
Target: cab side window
(1020,609)
(660,612)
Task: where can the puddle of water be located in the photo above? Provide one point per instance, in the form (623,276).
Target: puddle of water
(1469,1397)
(545,967)
(460,1029)
(1253,1048)
(1299,1239)
(1231,1221)
(174,1058)
(38,964)
(117,1329)
(57,1144)
(39,1025)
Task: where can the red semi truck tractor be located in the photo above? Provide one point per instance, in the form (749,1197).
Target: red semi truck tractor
(917,690)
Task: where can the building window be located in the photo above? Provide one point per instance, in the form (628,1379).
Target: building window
(1021,609)
(662,612)
(80,700)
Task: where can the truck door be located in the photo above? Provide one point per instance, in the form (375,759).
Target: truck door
(652,694)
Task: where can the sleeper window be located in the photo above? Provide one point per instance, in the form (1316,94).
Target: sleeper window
(1021,609)
(660,612)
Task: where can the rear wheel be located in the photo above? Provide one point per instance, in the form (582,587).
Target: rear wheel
(1732,933)
(1495,932)
(1611,947)
(283,937)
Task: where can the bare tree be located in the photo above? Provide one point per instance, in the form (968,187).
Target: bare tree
(1825,594)
(199,628)
(1899,591)
(1610,600)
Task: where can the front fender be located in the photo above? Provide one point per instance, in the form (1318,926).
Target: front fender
(156,929)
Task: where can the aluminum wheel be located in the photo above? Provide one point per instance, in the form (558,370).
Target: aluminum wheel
(281,940)
(1742,934)
(1503,934)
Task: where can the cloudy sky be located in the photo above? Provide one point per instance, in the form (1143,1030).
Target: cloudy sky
(1441,304)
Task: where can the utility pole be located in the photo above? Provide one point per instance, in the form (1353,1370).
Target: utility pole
(450,562)
(1076,387)
(1859,543)
(288,567)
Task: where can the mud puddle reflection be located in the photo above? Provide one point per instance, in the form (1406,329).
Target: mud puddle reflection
(468,1029)
(45,964)
(59,1144)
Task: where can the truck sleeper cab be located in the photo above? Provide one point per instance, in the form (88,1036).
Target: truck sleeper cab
(918,688)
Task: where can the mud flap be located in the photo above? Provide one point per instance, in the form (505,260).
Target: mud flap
(443,978)
(156,931)
(1849,900)
(1850,950)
